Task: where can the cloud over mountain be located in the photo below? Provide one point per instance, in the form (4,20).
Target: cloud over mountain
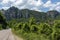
(30,4)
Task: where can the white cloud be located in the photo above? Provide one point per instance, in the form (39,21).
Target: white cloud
(7,1)
(56,6)
(35,3)
(12,0)
(22,7)
(58,3)
(5,8)
(52,6)
(18,2)
(48,4)
(30,4)
(22,4)
(36,9)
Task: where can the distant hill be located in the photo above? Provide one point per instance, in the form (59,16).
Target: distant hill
(53,13)
(15,13)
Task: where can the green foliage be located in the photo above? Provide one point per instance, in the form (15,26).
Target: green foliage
(31,30)
(0,27)
(3,21)
(46,29)
(26,28)
(34,28)
(57,30)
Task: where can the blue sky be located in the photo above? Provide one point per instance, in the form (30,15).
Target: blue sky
(37,5)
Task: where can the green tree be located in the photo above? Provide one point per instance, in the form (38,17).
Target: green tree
(3,21)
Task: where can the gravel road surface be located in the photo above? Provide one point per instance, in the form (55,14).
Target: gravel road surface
(7,35)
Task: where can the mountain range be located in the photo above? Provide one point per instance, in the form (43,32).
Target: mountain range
(15,13)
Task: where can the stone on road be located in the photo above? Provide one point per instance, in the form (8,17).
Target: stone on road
(7,35)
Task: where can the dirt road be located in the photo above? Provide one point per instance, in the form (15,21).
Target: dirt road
(7,35)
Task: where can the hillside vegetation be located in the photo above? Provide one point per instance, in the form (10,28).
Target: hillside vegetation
(3,23)
(33,31)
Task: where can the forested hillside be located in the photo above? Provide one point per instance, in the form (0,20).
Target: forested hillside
(15,13)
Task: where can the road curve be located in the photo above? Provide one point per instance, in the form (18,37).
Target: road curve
(7,35)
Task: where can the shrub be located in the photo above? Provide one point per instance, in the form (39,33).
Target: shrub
(34,28)
(26,28)
(46,29)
